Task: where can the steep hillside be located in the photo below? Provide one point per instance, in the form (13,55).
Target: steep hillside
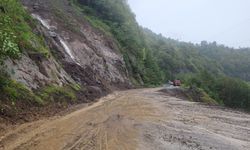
(53,57)
(152,59)
(208,69)
(58,53)
(234,62)
(115,18)
(95,57)
(142,47)
(178,57)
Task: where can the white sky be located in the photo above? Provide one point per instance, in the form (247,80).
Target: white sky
(224,21)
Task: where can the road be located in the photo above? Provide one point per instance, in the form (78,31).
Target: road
(141,119)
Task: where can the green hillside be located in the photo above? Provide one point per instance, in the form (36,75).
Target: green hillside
(153,59)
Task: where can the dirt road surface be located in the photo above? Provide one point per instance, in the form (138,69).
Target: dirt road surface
(141,119)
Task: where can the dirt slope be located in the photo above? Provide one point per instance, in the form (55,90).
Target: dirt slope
(137,119)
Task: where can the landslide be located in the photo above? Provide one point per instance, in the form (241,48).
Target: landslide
(60,60)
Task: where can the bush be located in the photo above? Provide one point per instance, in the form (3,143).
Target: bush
(15,92)
(56,94)
(199,95)
(15,32)
(8,40)
(235,93)
(227,91)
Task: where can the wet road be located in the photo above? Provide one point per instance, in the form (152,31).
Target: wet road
(141,119)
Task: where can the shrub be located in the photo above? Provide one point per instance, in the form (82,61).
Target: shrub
(227,91)
(15,92)
(235,93)
(8,40)
(199,95)
(15,32)
(57,94)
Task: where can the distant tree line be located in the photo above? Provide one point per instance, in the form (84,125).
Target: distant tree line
(152,59)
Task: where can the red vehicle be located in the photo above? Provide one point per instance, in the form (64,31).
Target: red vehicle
(177,82)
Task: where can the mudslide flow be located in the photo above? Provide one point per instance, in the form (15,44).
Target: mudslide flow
(141,119)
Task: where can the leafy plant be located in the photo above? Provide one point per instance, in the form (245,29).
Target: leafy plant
(8,40)
(16,33)
(227,91)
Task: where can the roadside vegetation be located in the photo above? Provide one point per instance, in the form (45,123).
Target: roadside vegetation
(16,99)
(227,91)
(214,71)
(16,32)
(17,37)
(116,19)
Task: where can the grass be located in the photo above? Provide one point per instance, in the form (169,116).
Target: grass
(88,12)
(57,94)
(14,92)
(18,26)
(199,95)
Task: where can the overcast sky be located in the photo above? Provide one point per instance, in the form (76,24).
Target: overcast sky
(224,21)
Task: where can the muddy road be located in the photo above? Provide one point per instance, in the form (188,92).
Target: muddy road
(141,119)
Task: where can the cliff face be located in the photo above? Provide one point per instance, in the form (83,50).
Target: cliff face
(63,61)
(80,53)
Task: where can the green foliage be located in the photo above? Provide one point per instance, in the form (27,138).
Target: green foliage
(233,62)
(15,32)
(235,93)
(56,94)
(76,87)
(199,95)
(150,58)
(14,92)
(15,96)
(231,92)
(8,45)
(8,40)
(152,74)
(116,19)
(175,57)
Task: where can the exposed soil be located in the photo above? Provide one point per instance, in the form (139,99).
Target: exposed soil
(136,119)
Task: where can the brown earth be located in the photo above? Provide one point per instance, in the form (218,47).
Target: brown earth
(136,119)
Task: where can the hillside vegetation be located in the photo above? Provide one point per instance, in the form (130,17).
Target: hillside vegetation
(153,59)
(218,71)
(116,18)
(16,34)
(17,37)
(180,57)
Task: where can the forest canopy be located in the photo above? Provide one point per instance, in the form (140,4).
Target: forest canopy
(153,59)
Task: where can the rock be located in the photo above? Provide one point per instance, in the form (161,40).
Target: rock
(94,92)
(35,6)
(52,34)
(35,72)
(53,28)
(94,89)
(97,62)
